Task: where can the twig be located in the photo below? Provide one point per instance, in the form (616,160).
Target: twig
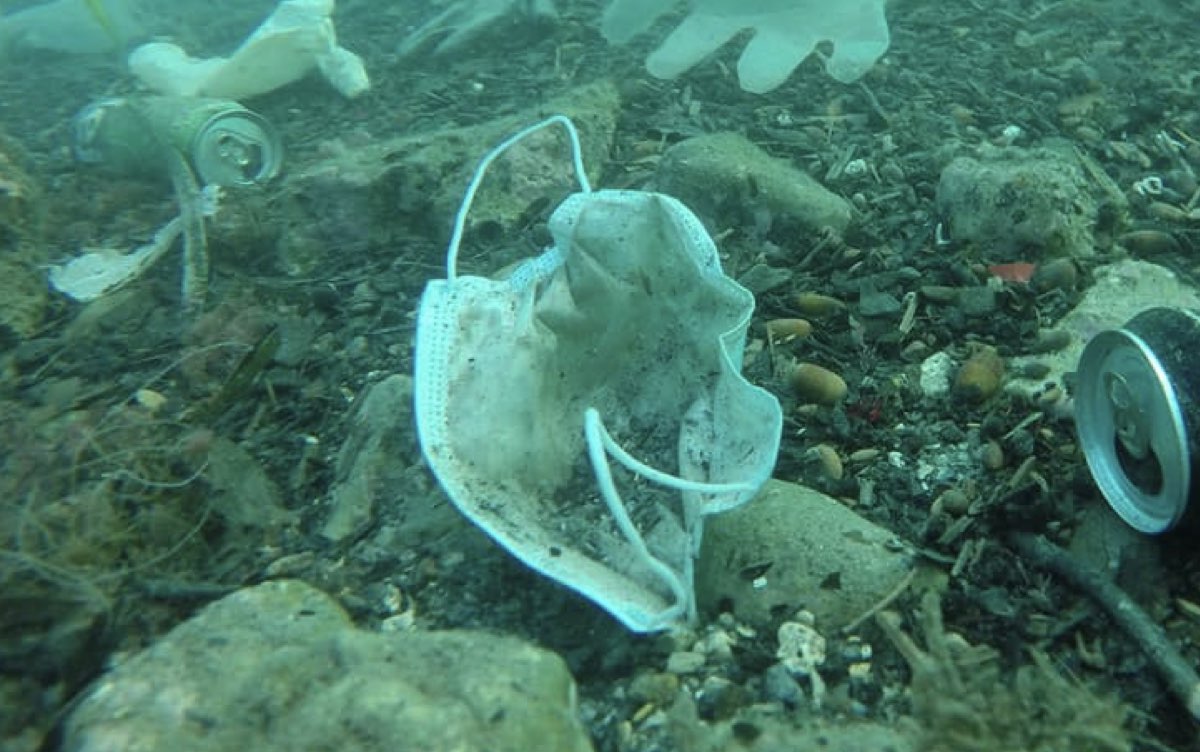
(882,604)
(1171,665)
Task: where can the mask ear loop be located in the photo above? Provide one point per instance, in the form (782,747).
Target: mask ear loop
(460,219)
(600,442)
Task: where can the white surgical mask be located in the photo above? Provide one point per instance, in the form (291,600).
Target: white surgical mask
(623,340)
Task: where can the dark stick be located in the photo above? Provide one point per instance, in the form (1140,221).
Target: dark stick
(1171,665)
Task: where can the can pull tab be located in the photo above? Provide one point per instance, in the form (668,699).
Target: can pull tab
(241,153)
(1130,420)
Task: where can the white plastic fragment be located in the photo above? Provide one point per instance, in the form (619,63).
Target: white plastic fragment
(297,38)
(103,270)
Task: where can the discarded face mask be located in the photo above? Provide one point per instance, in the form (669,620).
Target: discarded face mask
(622,341)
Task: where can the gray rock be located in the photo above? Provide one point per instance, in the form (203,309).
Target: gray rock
(1016,204)
(792,548)
(780,686)
(725,178)
(241,491)
(375,466)
(977,301)
(418,180)
(766,728)
(1104,542)
(874,304)
(847,737)
(761,278)
(280,667)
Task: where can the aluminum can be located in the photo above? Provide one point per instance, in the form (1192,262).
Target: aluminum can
(1137,415)
(225,143)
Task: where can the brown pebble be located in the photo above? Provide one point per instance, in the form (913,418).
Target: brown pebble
(992,455)
(1166,212)
(940,293)
(1033,371)
(980,375)
(952,501)
(963,114)
(915,351)
(1057,274)
(1149,242)
(1050,397)
(784,330)
(827,459)
(816,384)
(816,304)
(864,455)
(655,688)
(1050,340)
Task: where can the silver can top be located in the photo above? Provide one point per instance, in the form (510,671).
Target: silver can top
(237,147)
(1132,431)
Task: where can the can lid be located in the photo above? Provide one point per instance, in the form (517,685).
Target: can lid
(237,147)
(1132,431)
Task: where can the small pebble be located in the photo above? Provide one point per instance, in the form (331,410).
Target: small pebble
(978,301)
(1166,212)
(827,459)
(719,699)
(784,330)
(685,662)
(860,456)
(814,383)
(150,400)
(952,502)
(992,455)
(816,304)
(780,686)
(934,379)
(1149,242)
(654,687)
(1056,274)
(1050,340)
(940,293)
(980,375)
(1033,371)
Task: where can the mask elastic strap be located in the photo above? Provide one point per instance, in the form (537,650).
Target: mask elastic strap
(600,442)
(460,219)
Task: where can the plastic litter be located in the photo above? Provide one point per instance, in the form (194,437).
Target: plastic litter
(785,32)
(622,341)
(296,38)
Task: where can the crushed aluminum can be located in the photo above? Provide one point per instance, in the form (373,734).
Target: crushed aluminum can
(225,143)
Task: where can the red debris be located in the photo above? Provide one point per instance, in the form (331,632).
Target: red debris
(1017,271)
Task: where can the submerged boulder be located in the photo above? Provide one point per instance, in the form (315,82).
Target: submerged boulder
(279,666)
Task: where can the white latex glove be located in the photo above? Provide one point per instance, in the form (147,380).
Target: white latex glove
(296,39)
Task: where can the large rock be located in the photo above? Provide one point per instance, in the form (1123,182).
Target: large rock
(727,179)
(280,667)
(794,548)
(380,464)
(1015,204)
(357,196)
